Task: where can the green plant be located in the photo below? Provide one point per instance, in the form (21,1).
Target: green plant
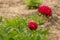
(33,3)
(17,29)
(0,18)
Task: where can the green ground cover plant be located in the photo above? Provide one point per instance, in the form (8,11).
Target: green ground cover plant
(18,29)
(33,4)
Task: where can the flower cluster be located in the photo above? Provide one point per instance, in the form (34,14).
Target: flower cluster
(45,10)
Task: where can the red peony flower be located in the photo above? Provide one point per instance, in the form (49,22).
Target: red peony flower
(33,25)
(45,10)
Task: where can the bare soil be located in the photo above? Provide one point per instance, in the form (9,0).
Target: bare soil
(12,8)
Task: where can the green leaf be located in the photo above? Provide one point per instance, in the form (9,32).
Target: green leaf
(1,37)
(39,38)
(0,18)
(45,32)
(11,39)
